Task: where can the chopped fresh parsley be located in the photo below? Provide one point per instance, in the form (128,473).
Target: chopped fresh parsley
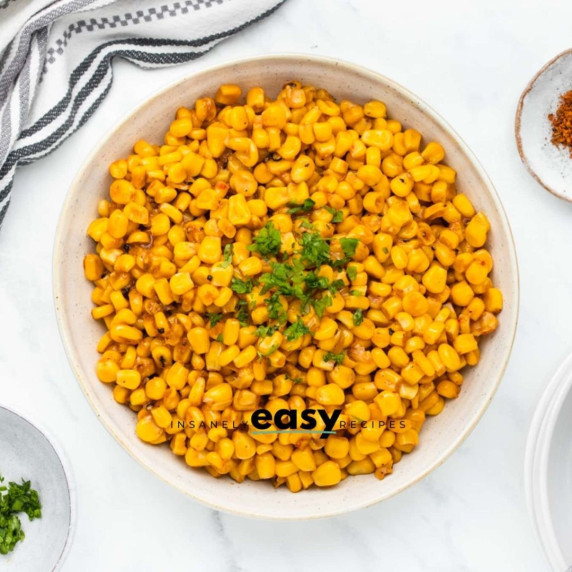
(305,207)
(242,313)
(16,498)
(242,286)
(305,223)
(275,308)
(264,331)
(296,330)
(213,319)
(338,358)
(355,293)
(349,246)
(336,285)
(338,216)
(268,241)
(315,250)
(315,282)
(287,278)
(358,317)
(219,338)
(320,304)
(351,271)
(227,256)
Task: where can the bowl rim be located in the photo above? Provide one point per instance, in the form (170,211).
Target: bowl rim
(69,481)
(537,457)
(290,57)
(518,122)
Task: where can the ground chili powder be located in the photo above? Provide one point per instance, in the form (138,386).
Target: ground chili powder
(562,122)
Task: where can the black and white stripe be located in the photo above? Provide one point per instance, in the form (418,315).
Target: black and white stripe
(89,34)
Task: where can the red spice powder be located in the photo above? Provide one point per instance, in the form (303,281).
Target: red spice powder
(562,122)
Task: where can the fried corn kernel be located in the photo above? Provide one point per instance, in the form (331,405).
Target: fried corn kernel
(288,254)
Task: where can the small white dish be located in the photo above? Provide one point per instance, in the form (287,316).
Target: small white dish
(549,164)
(27,453)
(548,468)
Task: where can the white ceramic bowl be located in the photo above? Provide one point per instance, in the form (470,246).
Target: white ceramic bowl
(440,436)
(548,468)
(27,453)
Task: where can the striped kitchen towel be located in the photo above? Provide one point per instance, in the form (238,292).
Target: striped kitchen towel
(55,60)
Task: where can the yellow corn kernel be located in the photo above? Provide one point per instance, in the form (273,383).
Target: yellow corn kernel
(180,283)
(327,474)
(245,357)
(147,430)
(493,300)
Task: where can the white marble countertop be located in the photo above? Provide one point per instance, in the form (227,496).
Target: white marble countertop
(470,61)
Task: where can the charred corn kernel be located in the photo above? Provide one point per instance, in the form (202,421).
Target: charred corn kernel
(493,300)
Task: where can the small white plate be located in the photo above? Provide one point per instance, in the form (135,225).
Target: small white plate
(26,453)
(550,165)
(548,468)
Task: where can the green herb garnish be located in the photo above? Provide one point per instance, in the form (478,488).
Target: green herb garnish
(296,330)
(242,286)
(268,241)
(219,338)
(242,313)
(213,319)
(320,304)
(227,256)
(351,271)
(355,293)
(349,246)
(315,250)
(358,317)
(275,308)
(338,216)
(264,331)
(338,358)
(305,207)
(16,498)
